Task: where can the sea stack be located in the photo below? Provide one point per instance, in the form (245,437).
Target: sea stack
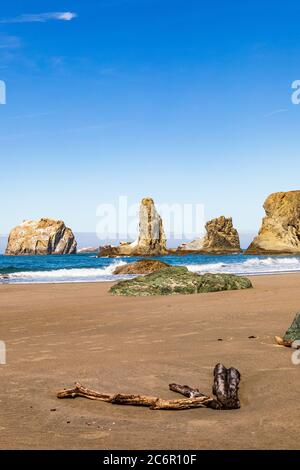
(41,237)
(280,229)
(221,238)
(151,240)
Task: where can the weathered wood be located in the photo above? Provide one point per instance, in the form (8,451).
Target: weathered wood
(226,386)
(225,389)
(189,392)
(80,391)
(116,399)
(186,390)
(154,403)
(134,400)
(182,404)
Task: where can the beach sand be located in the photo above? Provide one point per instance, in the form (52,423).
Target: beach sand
(58,334)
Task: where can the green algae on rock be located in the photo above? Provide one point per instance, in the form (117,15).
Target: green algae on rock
(293,333)
(178,280)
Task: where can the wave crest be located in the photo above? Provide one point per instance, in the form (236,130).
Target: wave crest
(272,262)
(65,275)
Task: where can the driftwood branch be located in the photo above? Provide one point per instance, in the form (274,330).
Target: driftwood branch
(189,392)
(225,388)
(80,391)
(154,403)
(182,404)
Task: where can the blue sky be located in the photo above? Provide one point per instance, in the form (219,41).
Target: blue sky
(186,101)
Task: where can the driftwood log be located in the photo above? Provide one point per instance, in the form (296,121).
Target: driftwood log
(225,389)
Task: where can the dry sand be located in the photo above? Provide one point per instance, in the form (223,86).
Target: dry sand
(58,334)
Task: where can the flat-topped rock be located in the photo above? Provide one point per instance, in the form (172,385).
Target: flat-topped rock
(221,238)
(280,229)
(41,237)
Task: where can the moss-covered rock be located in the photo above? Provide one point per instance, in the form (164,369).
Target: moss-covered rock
(293,333)
(178,280)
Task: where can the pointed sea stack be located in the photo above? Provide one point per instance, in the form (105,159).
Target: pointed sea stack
(280,229)
(151,240)
(41,237)
(221,238)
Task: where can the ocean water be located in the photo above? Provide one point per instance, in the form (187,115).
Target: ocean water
(89,268)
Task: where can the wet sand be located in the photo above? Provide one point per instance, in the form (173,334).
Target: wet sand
(58,334)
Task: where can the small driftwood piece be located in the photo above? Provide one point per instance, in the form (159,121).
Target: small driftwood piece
(225,388)
(189,392)
(182,404)
(80,391)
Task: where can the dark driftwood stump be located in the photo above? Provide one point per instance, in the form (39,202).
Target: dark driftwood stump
(225,388)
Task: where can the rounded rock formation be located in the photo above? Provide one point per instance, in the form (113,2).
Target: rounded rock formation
(280,230)
(41,237)
(221,238)
(143,266)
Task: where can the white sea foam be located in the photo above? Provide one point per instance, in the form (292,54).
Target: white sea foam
(195,268)
(272,262)
(67,275)
(251,266)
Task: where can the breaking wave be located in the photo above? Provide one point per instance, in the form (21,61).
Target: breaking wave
(65,275)
(85,268)
(210,267)
(251,266)
(273,262)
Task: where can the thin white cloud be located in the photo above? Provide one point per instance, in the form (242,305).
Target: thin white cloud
(66,16)
(41,17)
(277,111)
